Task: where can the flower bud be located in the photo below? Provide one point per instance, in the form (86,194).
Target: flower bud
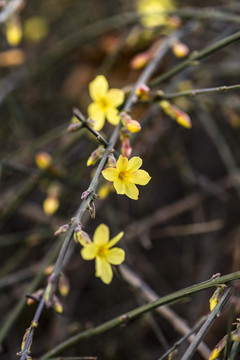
(37,295)
(63,285)
(126,148)
(218,348)
(175,113)
(111,160)
(218,293)
(43,160)
(95,156)
(56,304)
(132,125)
(50,205)
(142,92)
(14,31)
(81,236)
(62,229)
(140,60)
(180,50)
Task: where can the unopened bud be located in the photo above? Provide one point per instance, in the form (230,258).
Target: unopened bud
(56,304)
(112,160)
(14,31)
(43,160)
(218,348)
(132,125)
(37,295)
(81,236)
(95,156)
(175,113)
(140,60)
(218,293)
(48,270)
(142,92)
(92,209)
(126,148)
(63,285)
(180,50)
(50,205)
(62,229)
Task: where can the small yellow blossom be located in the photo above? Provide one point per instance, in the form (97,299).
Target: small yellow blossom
(105,103)
(50,205)
(14,31)
(100,250)
(126,175)
(43,160)
(152,11)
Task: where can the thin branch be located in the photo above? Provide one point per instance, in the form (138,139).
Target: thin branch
(12,7)
(168,299)
(195,57)
(207,325)
(183,339)
(174,319)
(83,120)
(195,92)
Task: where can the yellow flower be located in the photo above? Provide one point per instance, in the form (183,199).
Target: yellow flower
(100,250)
(126,175)
(105,102)
(153,11)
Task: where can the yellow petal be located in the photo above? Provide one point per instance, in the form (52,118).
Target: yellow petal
(115,97)
(88,252)
(110,174)
(98,88)
(114,240)
(97,114)
(104,270)
(101,235)
(112,115)
(139,177)
(122,163)
(134,163)
(115,256)
(131,191)
(119,186)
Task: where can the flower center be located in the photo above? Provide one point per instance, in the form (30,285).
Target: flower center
(102,251)
(103,103)
(123,176)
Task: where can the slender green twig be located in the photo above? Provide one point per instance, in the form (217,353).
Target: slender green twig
(183,339)
(195,92)
(207,325)
(195,57)
(168,299)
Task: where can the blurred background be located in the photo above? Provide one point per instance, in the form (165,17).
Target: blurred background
(185,226)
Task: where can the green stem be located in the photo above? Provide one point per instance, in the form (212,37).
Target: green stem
(195,92)
(176,296)
(195,57)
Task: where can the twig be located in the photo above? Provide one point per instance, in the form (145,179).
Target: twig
(179,324)
(11,7)
(195,92)
(183,339)
(188,229)
(207,325)
(195,57)
(83,120)
(176,296)
(221,144)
